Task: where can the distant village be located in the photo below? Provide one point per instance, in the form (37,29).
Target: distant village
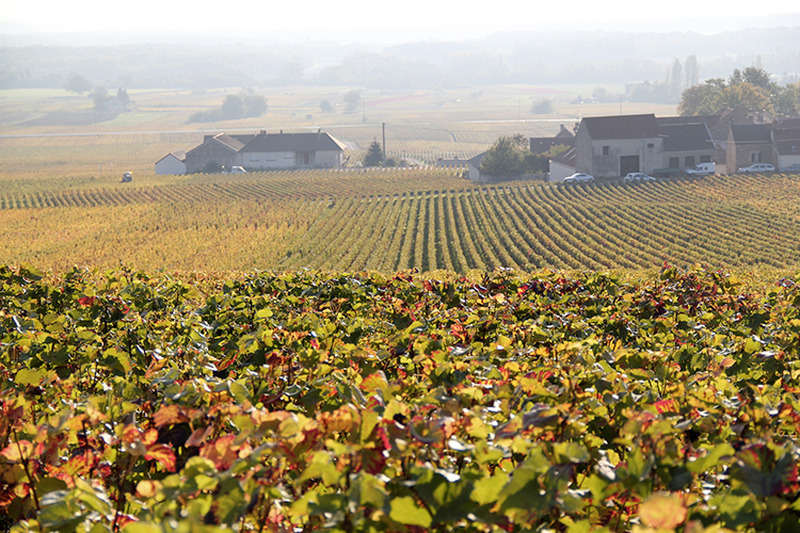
(603,147)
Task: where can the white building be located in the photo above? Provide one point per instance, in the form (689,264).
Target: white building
(174,163)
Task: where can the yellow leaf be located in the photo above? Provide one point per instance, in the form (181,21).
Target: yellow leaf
(663,510)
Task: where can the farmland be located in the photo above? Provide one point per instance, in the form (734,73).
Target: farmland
(386,349)
(397,219)
(305,401)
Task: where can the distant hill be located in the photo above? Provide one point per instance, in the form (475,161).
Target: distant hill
(519,57)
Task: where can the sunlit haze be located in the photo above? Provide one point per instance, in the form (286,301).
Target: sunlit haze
(360,20)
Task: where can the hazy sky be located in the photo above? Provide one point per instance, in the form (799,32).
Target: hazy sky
(417,18)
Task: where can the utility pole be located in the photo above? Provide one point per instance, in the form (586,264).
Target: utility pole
(383,126)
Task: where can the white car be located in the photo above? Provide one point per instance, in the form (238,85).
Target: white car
(631,177)
(703,169)
(758,167)
(238,170)
(580,177)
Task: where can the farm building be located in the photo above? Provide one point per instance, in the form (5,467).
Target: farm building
(260,151)
(786,136)
(291,150)
(174,163)
(686,145)
(613,146)
(748,144)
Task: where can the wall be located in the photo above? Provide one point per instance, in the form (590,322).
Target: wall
(170,165)
(560,171)
(649,150)
(210,152)
(256,160)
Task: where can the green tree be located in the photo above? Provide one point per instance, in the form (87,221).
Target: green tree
(543,107)
(77,84)
(232,107)
(746,93)
(746,99)
(122,96)
(675,81)
(691,71)
(755,76)
(325,106)
(374,157)
(702,99)
(351,101)
(506,157)
(786,102)
(100,97)
(254,105)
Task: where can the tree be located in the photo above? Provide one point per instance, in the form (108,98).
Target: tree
(254,105)
(675,81)
(703,99)
(746,99)
(122,96)
(506,157)
(786,102)
(100,97)
(543,107)
(351,101)
(232,107)
(747,93)
(755,76)
(374,157)
(325,106)
(691,71)
(77,84)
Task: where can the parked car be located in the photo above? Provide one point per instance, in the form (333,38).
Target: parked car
(703,169)
(579,177)
(631,177)
(792,168)
(758,167)
(237,170)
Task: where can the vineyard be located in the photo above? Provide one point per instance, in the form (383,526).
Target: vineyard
(397,219)
(137,403)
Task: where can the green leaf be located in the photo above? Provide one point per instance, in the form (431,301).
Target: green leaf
(238,391)
(570,452)
(404,510)
(30,377)
(487,490)
(711,459)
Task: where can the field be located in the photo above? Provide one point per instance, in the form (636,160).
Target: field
(398,219)
(385,350)
(304,401)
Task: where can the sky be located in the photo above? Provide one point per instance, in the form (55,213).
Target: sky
(403,19)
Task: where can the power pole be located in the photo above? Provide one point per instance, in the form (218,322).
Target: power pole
(383,126)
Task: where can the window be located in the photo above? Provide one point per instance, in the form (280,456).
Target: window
(705,159)
(651,145)
(674,162)
(606,150)
(755,157)
(689,161)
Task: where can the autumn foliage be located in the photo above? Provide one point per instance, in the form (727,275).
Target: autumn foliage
(296,402)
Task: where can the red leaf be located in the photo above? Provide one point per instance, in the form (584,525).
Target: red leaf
(666,406)
(163,454)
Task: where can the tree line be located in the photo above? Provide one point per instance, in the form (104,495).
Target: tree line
(749,93)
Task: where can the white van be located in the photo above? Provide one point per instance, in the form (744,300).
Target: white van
(703,169)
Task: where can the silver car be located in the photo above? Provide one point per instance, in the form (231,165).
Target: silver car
(579,177)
